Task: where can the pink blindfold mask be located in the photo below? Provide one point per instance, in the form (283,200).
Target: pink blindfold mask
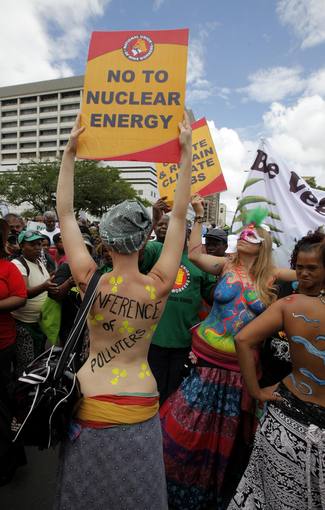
(250,235)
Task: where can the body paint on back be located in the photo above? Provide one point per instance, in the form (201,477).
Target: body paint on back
(313,377)
(309,347)
(304,318)
(118,373)
(304,388)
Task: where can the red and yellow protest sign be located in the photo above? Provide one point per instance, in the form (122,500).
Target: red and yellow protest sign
(134,95)
(207,175)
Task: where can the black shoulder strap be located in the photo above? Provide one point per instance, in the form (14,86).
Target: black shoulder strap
(78,325)
(24,263)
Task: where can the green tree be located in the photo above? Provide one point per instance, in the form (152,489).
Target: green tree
(96,188)
(311,181)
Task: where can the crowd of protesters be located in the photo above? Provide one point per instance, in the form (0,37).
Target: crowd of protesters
(235,361)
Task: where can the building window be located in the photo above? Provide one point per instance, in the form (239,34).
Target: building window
(9,135)
(48,97)
(73,106)
(48,154)
(28,155)
(44,109)
(70,93)
(64,141)
(140,191)
(9,146)
(7,102)
(28,111)
(64,131)
(9,113)
(28,145)
(9,156)
(47,144)
(47,132)
(68,118)
(30,99)
(9,124)
(29,122)
(48,121)
(25,134)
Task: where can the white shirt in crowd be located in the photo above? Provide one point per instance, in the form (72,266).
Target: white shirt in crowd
(51,234)
(38,274)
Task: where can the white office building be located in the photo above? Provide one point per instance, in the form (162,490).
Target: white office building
(35,122)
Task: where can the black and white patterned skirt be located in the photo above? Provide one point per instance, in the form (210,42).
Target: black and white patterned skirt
(286,470)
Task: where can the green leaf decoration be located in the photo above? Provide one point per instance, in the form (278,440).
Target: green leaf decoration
(250,182)
(253,199)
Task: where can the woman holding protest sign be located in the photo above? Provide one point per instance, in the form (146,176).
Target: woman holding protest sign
(113,458)
(208,424)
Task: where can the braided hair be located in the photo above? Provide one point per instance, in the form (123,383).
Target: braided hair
(312,241)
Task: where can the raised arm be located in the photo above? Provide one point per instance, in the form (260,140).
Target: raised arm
(207,263)
(81,263)
(168,264)
(285,274)
(246,342)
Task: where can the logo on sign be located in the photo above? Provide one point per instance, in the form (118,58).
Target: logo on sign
(138,48)
(182,280)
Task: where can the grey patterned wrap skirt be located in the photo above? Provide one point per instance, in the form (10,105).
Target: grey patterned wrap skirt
(116,468)
(286,470)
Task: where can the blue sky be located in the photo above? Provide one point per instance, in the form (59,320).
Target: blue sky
(256,67)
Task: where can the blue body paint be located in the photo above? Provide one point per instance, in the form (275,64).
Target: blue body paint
(301,386)
(304,318)
(313,377)
(309,347)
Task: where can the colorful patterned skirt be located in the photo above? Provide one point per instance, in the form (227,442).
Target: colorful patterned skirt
(205,438)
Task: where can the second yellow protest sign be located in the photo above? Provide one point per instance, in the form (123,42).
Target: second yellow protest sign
(207,177)
(134,95)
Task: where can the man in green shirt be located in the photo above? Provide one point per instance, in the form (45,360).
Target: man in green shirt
(171,341)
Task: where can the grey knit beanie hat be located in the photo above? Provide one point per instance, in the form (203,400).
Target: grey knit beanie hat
(125,227)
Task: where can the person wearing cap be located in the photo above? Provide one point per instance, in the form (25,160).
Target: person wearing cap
(171,342)
(30,339)
(116,459)
(216,242)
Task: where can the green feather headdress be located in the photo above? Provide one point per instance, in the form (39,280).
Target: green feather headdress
(255,216)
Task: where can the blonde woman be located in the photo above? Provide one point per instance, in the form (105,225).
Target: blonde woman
(114,458)
(208,424)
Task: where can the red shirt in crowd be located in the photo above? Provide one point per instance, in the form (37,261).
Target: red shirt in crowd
(11,284)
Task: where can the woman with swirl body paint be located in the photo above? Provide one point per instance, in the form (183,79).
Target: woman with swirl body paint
(113,458)
(287,467)
(208,424)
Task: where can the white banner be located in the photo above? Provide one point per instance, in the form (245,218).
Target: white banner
(294,208)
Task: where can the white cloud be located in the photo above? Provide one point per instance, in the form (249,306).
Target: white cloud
(297,133)
(157,4)
(198,87)
(273,84)
(235,156)
(316,83)
(306,18)
(277,83)
(39,37)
